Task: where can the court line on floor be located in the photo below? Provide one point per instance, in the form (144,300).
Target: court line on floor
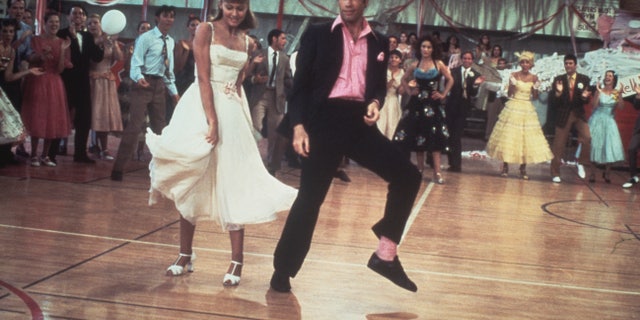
(416,209)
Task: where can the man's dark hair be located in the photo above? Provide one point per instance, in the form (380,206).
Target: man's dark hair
(165,9)
(78,6)
(273,33)
(571,57)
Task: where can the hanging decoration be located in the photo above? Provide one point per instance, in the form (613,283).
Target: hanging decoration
(103,3)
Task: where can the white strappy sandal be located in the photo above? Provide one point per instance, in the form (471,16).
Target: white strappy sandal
(230,279)
(177,270)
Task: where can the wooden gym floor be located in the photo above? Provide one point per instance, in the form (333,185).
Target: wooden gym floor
(76,245)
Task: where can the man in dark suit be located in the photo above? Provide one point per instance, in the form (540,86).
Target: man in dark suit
(465,85)
(76,80)
(570,93)
(269,94)
(338,89)
(634,144)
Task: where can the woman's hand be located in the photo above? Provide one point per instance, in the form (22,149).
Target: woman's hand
(559,86)
(212,133)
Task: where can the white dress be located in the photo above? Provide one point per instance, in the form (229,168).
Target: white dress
(227,182)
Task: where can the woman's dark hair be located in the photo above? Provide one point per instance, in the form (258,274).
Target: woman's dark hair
(449,38)
(496,46)
(51,14)
(436,54)
(192,17)
(615,77)
(10,22)
(249,22)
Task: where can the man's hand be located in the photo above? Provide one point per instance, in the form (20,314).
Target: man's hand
(301,140)
(143,83)
(373,113)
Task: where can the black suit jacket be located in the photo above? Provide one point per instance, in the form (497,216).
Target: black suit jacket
(318,65)
(456,104)
(561,106)
(76,79)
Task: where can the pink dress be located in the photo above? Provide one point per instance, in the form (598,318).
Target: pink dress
(44,104)
(105,106)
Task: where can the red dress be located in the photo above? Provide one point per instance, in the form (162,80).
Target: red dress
(44,105)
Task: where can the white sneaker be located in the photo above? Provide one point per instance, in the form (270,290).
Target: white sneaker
(556,179)
(581,172)
(633,181)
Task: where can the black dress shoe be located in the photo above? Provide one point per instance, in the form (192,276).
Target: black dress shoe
(116,175)
(393,271)
(454,169)
(280,282)
(83,159)
(340,174)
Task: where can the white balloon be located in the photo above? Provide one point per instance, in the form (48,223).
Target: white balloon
(113,22)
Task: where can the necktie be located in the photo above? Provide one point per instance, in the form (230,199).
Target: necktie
(464,83)
(572,83)
(273,68)
(165,56)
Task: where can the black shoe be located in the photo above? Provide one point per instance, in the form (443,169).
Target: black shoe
(83,159)
(116,175)
(393,271)
(340,174)
(454,169)
(280,282)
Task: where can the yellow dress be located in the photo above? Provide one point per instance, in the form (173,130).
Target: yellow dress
(517,136)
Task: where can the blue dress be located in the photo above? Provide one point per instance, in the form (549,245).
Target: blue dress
(606,144)
(423,126)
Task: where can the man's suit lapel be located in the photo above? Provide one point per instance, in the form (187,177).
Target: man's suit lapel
(335,52)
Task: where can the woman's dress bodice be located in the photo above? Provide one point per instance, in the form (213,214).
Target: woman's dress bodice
(226,64)
(427,80)
(606,103)
(523,90)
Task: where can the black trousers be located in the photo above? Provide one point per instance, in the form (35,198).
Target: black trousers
(633,148)
(339,130)
(456,125)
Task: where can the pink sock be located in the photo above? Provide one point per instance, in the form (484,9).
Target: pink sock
(387,249)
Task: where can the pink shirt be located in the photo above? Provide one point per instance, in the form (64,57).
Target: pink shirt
(351,80)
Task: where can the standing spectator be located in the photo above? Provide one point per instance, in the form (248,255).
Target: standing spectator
(44,105)
(494,104)
(483,49)
(391,112)
(423,128)
(465,85)
(152,72)
(517,136)
(106,116)
(271,80)
(127,84)
(28,17)
(10,82)
(606,144)
(333,106)
(184,63)
(393,44)
(451,49)
(634,144)
(24,32)
(403,45)
(76,79)
(566,99)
